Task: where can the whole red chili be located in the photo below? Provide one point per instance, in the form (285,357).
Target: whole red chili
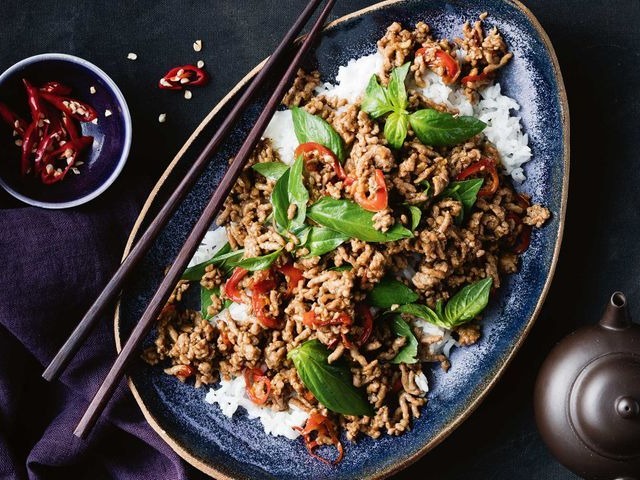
(74,108)
(185,76)
(483,166)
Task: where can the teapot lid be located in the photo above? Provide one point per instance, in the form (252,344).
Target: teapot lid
(587,397)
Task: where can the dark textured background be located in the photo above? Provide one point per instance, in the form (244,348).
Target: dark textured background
(596,43)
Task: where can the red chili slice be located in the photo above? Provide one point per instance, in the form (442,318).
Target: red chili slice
(231,286)
(31,136)
(253,377)
(74,108)
(293,276)
(449,64)
(68,153)
(263,284)
(483,166)
(379,199)
(33,97)
(364,313)
(13,120)
(185,76)
(476,78)
(523,240)
(318,424)
(70,126)
(56,88)
(337,166)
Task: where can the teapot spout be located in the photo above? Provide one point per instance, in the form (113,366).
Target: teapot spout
(616,314)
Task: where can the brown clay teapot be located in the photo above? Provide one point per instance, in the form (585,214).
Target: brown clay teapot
(587,397)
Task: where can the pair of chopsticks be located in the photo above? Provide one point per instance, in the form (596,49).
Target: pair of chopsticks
(79,335)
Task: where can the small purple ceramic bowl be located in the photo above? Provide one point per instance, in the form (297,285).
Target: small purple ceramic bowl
(112,133)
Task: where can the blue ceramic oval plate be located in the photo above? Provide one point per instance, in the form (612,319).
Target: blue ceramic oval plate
(238,448)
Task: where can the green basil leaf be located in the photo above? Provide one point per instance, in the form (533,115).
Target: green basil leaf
(342,268)
(390,291)
(259,263)
(271,170)
(468,302)
(423,312)
(302,232)
(466,191)
(331,384)
(441,129)
(205,301)
(225,258)
(416,215)
(298,194)
(409,352)
(351,219)
(322,240)
(395,129)
(375,101)
(440,308)
(397,92)
(280,201)
(311,128)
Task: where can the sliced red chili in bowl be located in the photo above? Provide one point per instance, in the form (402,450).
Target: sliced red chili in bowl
(74,108)
(260,298)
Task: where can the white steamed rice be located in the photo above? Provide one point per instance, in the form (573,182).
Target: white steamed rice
(233,394)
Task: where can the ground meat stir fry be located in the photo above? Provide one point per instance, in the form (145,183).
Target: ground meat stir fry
(302,298)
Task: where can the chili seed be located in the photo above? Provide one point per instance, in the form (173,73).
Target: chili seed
(162,117)
(200,64)
(132,56)
(92,90)
(164,83)
(18,142)
(75,170)
(187,94)
(94,121)
(49,168)
(184,80)
(79,163)
(107,113)
(197,45)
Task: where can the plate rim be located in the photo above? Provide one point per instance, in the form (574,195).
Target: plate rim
(497,375)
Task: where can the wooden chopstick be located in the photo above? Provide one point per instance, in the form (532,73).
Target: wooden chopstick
(111,290)
(195,236)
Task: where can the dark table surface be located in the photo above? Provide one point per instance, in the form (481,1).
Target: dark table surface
(596,43)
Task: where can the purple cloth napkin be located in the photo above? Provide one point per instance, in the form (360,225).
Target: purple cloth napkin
(55,263)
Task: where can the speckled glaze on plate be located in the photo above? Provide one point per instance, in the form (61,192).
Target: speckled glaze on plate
(238,448)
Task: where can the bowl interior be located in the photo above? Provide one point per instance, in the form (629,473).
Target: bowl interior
(112,134)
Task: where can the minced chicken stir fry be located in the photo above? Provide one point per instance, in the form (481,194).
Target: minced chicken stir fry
(355,265)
